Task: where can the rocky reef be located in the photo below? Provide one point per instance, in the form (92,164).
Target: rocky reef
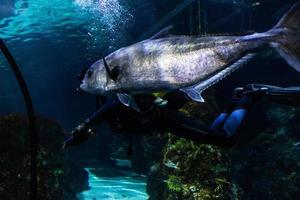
(200,172)
(268,166)
(263,165)
(58,177)
(190,170)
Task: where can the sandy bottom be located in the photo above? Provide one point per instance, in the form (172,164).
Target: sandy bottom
(114,188)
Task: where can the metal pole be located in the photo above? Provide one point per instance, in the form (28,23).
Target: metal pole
(191,18)
(31,119)
(165,19)
(199,17)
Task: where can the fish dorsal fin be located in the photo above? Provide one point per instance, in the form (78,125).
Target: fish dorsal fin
(128,100)
(194,92)
(163,33)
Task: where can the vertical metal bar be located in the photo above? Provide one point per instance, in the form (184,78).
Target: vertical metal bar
(165,19)
(204,16)
(31,119)
(191,18)
(242,19)
(250,15)
(199,17)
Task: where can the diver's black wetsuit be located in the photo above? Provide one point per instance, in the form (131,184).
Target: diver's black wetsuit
(159,115)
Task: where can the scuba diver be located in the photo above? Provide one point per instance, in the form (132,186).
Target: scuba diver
(163,116)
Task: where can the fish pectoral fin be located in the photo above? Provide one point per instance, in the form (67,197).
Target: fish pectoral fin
(163,33)
(124,98)
(194,94)
(128,101)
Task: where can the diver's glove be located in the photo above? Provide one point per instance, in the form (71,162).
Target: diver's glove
(79,135)
(256,91)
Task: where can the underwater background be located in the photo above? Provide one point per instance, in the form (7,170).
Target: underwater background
(52,40)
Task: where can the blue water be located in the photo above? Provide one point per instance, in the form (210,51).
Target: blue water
(118,188)
(52,40)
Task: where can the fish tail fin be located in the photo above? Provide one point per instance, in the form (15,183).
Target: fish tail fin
(287,37)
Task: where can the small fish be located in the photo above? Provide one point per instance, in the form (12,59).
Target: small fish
(171,164)
(297,144)
(256,4)
(122,162)
(190,64)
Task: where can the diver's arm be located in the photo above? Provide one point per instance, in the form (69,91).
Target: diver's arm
(101,113)
(83,131)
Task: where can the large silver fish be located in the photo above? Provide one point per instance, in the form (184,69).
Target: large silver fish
(187,63)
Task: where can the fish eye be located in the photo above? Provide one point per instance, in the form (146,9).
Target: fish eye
(89,73)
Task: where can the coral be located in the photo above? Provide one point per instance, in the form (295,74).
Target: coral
(202,171)
(192,170)
(55,179)
(268,167)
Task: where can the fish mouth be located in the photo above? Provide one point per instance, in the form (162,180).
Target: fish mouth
(89,88)
(83,86)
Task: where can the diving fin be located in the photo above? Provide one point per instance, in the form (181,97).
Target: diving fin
(128,100)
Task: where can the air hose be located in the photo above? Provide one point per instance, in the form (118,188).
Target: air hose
(31,119)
